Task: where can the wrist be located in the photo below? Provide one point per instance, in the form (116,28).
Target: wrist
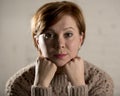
(41,84)
(78,83)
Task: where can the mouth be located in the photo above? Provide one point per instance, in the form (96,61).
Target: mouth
(60,56)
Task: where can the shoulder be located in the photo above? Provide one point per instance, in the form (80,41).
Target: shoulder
(91,69)
(23,79)
(98,79)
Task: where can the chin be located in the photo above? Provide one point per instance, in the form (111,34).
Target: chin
(60,63)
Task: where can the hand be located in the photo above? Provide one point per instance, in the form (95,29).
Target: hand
(75,71)
(44,72)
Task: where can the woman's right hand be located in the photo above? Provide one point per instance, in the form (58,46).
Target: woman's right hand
(44,72)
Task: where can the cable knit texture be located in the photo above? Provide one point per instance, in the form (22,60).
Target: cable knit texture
(98,83)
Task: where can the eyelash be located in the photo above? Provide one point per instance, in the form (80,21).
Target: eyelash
(48,35)
(68,34)
(53,36)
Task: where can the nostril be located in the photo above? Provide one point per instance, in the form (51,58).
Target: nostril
(62,46)
(59,46)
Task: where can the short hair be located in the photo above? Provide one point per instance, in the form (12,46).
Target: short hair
(50,13)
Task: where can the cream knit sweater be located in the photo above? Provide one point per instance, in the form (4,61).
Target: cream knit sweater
(98,83)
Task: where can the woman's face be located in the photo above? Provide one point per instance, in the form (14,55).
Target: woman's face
(61,42)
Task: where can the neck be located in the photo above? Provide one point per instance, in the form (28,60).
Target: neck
(60,70)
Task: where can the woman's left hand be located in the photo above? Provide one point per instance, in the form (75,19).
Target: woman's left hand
(75,71)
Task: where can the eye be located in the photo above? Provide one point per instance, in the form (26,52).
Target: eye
(48,35)
(68,34)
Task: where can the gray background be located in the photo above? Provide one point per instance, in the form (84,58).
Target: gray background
(101,47)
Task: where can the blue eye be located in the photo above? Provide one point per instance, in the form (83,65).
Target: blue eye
(68,34)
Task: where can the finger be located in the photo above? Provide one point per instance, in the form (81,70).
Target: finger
(40,60)
(78,57)
(73,59)
(48,59)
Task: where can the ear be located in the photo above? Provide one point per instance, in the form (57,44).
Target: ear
(81,38)
(36,41)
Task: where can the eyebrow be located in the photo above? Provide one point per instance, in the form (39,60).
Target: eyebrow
(69,28)
(52,30)
(49,29)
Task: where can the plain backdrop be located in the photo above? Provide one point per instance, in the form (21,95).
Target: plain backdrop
(101,47)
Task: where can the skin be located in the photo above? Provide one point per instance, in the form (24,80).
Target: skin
(60,43)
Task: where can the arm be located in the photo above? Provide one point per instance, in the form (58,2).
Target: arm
(75,72)
(20,83)
(79,90)
(98,84)
(17,86)
(102,87)
(44,73)
(40,91)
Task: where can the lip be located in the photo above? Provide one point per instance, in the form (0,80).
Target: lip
(60,55)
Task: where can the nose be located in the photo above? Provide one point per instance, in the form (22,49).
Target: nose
(60,43)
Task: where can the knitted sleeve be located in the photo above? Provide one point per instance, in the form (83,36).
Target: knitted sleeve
(39,91)
(79,91)
(65,91)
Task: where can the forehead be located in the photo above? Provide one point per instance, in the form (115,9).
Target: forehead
(64,23)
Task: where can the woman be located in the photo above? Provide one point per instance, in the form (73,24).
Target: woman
(58,32)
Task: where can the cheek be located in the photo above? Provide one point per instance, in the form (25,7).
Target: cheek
(73,48)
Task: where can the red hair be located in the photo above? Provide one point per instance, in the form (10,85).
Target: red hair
(52,12)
